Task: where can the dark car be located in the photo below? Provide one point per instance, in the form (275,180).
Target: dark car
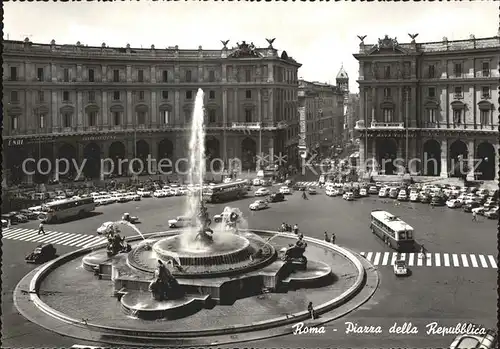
(299,187)
(29,214)
(438,201)
(425,198)
(41,254)
(355,192)
(469,207)
(276,197)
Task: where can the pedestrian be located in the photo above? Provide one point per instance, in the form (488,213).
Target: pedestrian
(422,251)
(311,311)
(333,238)
(327,239)
(474,216)
(40,229)
(296,229)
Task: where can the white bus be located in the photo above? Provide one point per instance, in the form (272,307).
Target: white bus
(63,209)
(392,230)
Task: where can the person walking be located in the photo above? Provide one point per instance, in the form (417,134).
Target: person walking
(422,251)
(304,195)
(327,238)
(296,229)
(311,311)
(474,216)
(40,229)
(333,238)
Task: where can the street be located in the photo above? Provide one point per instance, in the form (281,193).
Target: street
(446,293)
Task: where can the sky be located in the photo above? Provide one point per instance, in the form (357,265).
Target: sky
(320,36)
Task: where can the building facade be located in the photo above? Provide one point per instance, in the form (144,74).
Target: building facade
(322,116)
(431,104)
(81,102)
(351,117)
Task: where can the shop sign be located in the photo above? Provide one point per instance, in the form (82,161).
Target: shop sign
(99,138)
(15,142)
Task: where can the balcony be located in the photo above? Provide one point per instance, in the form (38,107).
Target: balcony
(246,125)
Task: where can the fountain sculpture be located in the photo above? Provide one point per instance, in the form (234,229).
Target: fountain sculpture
(174,275)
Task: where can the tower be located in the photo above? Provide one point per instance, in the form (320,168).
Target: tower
(342,81)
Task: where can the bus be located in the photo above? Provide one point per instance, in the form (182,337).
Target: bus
(392,230)
(57,211)
(225,192)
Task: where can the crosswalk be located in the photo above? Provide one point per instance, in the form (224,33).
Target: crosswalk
(52,237)
(308,184)
(438,259)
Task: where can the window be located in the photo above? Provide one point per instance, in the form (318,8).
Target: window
(189,94)
(116,118)
(13,73)
(388,113)
(458,92)
(41,120)
(188,75)
(458,70)
(165,76)
(116,95)
(14,123)
(248,93)
(211,116)
(39,74)
(485,92)
(92,118)
(187,116)
(387,72)
(431,92)
(66,75)
(248,115)
(457,116)
(91,96)
(485,117)
(14,97)
(116,75)
(486,69)
(41,96)
(141,95)
(211,76)
(165,116)
(141,118)
(211,95)
(66,120)
(66,96)
(431,72)
(91,75)
(164,94)
(431,115)
(140,75)
(387,92)
(248,75)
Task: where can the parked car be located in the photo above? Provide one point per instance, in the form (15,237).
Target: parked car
(349,196)
(438,201)
(383,192)
(29,214)
(470,207)
(424,198)
(312,190)
(41,254)
(479,210)
(363,192)
(492,213)
(402,196)
(414,197)
(373,190)
(257,181)
(258,205)
(454,203)
(276,197)
(285,190)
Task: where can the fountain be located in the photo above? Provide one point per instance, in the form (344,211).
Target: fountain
(175,274)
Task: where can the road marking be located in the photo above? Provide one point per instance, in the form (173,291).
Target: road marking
(54,237)
(437,259)
(464,261)
(21,233)
(83,240)
(47,236)
(369,256)
(410,259)
(377,258)
(492,261)
(386,258)
(393,258)
(38,237)
(13,233)
(455,260)
(473,260)
(27,237)
(60,238)
(483,261)
(446,260)
(69,238)
(420,260)
(97,242)
(429,259)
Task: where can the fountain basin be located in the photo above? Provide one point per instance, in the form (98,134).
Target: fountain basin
(228,255)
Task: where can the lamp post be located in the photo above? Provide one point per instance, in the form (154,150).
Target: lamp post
(407,95)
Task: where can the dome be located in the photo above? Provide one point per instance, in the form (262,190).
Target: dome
(342,74)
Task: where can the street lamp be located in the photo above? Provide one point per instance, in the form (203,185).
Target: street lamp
(407,125)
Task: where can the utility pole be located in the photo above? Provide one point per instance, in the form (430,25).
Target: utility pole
(407,126)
